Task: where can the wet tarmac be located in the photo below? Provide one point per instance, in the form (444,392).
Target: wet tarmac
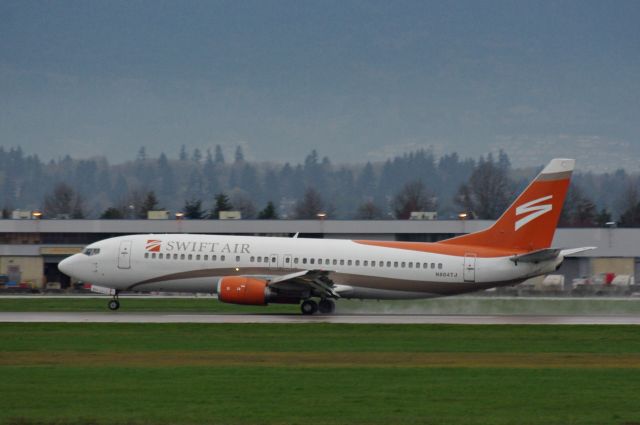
(124,317)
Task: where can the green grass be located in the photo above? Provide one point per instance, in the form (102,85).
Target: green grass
(110,374)
(191,305)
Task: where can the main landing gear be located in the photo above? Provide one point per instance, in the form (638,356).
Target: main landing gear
(114,304)
(326,306)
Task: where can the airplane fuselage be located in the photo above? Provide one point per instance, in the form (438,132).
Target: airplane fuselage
(359,269)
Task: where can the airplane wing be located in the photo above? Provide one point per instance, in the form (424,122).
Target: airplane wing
(547,254)
(317,281)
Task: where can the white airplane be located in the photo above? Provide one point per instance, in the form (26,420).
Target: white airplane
(257,270)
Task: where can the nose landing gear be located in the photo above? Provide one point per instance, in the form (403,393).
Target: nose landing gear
(114,304)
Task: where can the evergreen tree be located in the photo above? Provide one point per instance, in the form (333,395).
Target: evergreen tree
(219,156)
(222,203)
(150,203)
(183,153)
(193,210)
(239,156)
(112,213)
(197,155)
(269,212)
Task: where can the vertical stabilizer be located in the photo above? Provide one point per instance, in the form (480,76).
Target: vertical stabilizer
(530,222)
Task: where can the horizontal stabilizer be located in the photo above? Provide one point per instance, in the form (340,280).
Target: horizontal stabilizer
(536,256)
(548,254)
(571,251)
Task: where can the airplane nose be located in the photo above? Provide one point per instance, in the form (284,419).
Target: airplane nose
(66,265)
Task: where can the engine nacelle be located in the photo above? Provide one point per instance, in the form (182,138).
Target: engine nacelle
(243,290)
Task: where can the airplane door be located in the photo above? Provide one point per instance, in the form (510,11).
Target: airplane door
(286,261)
(273,261)
(124,255)
(469,268)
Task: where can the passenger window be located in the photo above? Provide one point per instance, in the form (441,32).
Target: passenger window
(348,262)
(295,260)
(189,257)
(388,263)
(312,260)
(274,260)
(373,263)
(319,260)
(237,258)
(175,256)
(182,256)
(198,257)
(206,257)
(161,256)
(381,264)
(214,257)
(146,255)
(417,265)
(403,264)
(433,265)
(222,258)
(342,262)
(259,259)
(395,264)
(439,265)
(366,263)
(357,262)
(335,262)
(304,261)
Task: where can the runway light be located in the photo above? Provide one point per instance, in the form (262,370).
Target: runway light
(179,215)
(463,216)
(237,269)
(36,214)
(321,215)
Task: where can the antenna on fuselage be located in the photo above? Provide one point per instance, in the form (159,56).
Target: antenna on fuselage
(296,235)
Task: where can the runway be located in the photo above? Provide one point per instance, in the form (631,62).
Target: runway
(120,317)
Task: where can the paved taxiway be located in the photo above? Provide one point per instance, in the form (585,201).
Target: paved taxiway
(123,317)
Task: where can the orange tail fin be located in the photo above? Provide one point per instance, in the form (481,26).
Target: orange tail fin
(530,222)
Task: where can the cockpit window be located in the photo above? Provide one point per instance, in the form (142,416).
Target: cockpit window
(91,251)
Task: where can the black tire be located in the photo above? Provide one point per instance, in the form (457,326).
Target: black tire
(114,305)
(326,306)
(308,307)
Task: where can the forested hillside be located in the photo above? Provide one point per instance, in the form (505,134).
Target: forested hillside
(198,183)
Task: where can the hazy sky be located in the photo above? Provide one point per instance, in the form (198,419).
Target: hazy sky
(357,80)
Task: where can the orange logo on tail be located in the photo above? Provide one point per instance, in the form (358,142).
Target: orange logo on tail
(153,245)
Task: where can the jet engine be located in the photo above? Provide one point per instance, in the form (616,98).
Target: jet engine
(251,291)
(243,290)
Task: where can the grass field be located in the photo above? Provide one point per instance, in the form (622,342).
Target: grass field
(453,305)
(319,374)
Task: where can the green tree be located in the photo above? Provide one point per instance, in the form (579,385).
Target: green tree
(193,210)
(150,203)
(222,203)
(112,213)
(269,212)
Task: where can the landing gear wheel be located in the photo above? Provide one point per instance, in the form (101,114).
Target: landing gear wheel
(114,305)
(309,307)
(326,306)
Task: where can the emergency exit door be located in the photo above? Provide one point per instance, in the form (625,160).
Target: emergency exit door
(124,255)
(469,268)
